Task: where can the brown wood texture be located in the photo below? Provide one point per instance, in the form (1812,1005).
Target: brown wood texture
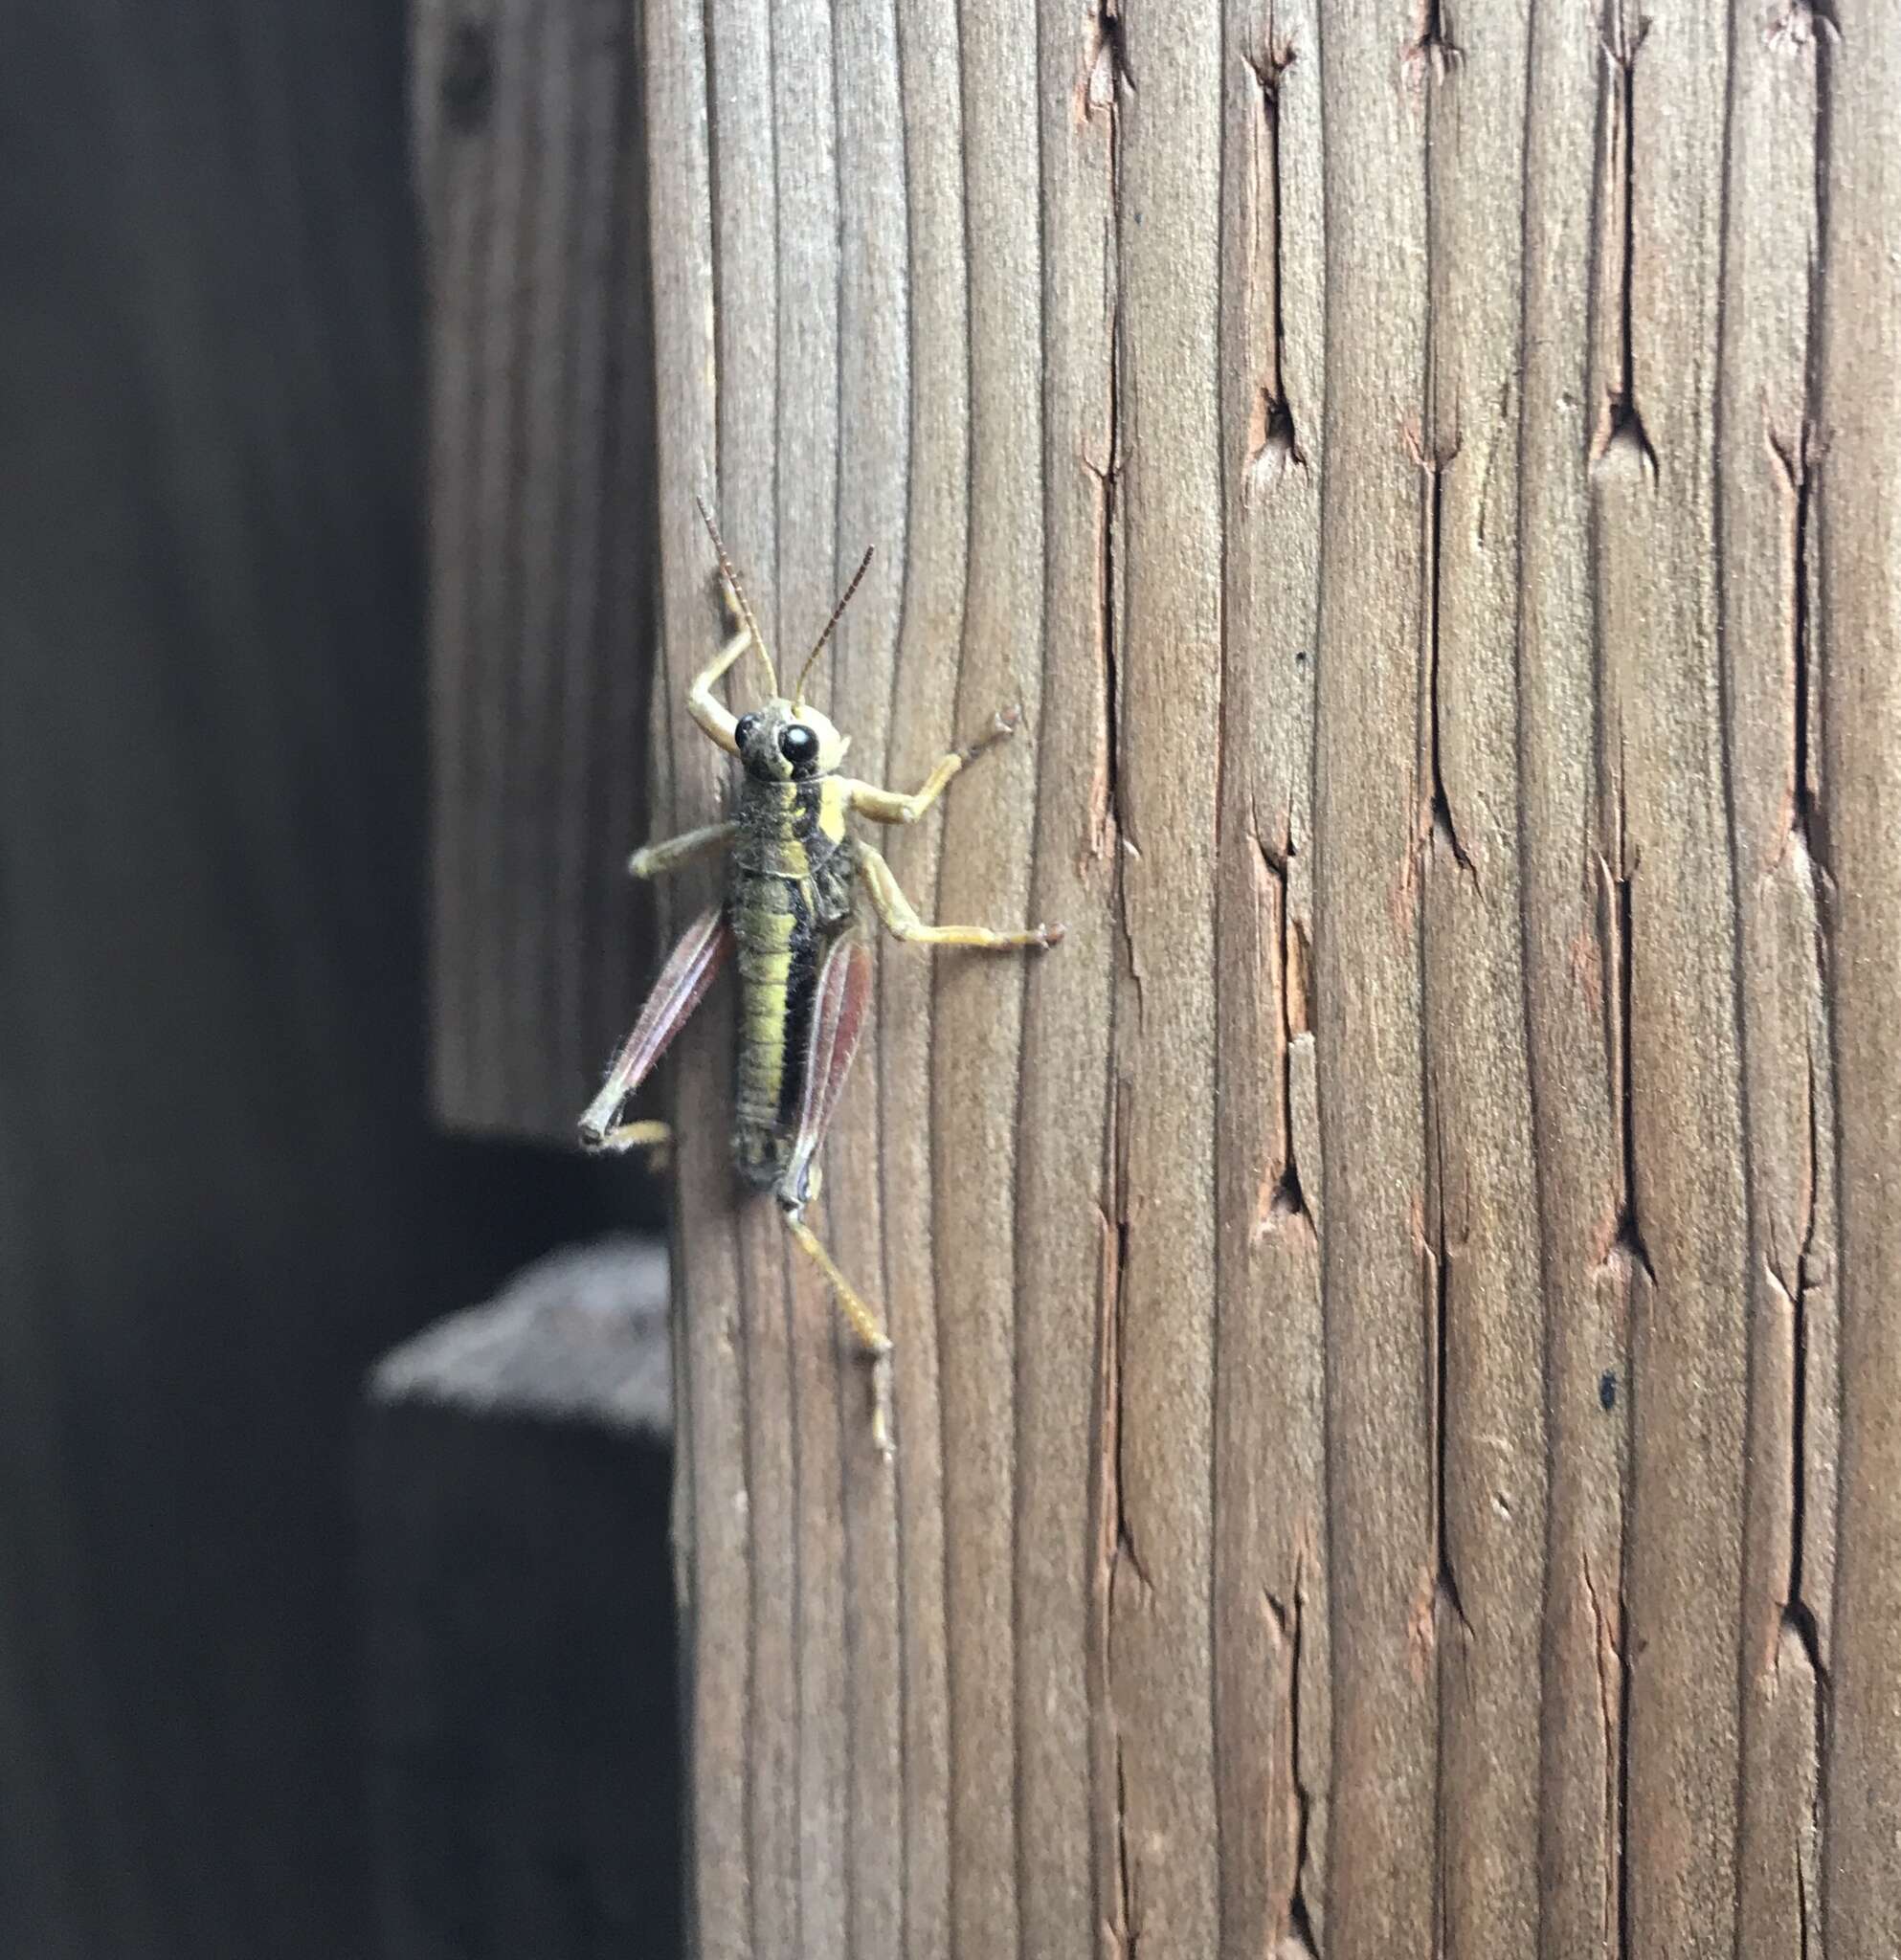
(1396,1379)
(540,484)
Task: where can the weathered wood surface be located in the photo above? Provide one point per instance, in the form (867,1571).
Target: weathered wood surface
(540,486)
(1396,1391)
(520,1638)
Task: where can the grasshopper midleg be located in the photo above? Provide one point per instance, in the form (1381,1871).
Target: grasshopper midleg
(652,859)
(901,920)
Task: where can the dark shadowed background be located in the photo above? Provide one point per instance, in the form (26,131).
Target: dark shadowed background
(220,1199)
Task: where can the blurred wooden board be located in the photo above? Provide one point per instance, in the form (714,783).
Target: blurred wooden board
(513,1487)
(220,1197)
(539,495)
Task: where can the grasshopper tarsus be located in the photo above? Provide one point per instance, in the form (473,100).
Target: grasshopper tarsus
(881,1403)
(616,1140)
(1003,724)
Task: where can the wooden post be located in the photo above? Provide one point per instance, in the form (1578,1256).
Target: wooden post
(1395,1366)
(519,1635)
(528,168)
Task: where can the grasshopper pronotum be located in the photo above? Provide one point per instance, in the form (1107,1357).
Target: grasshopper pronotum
(791,913)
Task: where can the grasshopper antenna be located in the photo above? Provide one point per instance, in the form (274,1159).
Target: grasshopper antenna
(811,658)
(738,592)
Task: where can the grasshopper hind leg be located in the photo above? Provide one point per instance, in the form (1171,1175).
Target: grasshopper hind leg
(874,1343)
(842,997)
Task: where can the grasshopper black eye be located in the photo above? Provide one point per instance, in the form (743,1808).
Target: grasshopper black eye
(742,734)
(799,746)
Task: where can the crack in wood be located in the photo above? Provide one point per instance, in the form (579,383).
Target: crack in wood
(1106,71)
(1128,1935)
(1293,1923)
(1121,1558)
(1283,1203)
(1803,760)
(1273,442)
(1432,53)
(1126,1553)
(1620,438)
(1802,28)
(1439,1254)
(1107,827)
(1614,1715)
(1440,832)
(1799,1622)
(1796,461)
(1796,1612)
(1104,78)
(1627,1245)
(1802,24)
(1115,1545)
(1103,59)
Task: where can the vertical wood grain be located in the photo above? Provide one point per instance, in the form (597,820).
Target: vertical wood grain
(1766,558)
(977,1016)
(873,384)
(1481,1211)
(1858,616)
(1167,709)
(540,539)
(713,1540)
(1273,1679)
(1683,1236)
(1065,1201)
(917,695)
(1376,1287)
(1569,986)
(1372,1396)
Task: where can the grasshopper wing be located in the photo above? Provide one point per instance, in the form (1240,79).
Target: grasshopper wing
(839,1005)
(682,984)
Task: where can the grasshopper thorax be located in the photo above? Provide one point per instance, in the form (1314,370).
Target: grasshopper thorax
(786,741)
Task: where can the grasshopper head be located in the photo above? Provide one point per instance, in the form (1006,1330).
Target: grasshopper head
(780,743)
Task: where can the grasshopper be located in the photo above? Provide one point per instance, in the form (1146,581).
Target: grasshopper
(791,913)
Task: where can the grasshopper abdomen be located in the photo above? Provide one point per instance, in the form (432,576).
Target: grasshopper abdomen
(789,898)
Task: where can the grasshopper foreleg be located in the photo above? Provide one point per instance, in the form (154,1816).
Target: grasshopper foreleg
(889,805)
